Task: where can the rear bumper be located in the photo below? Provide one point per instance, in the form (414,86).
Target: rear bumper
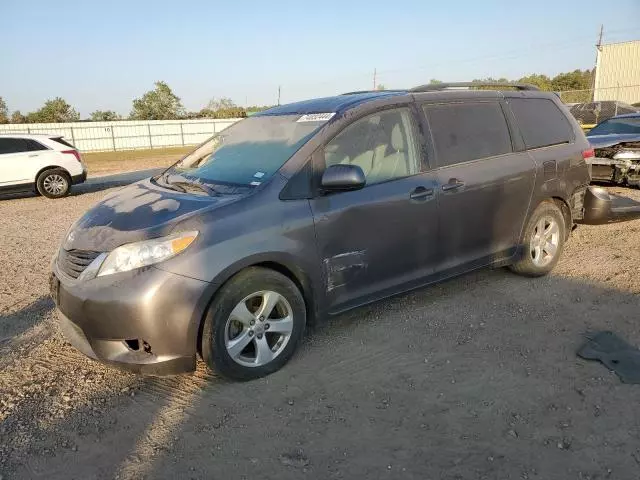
(144,321)
(76,179)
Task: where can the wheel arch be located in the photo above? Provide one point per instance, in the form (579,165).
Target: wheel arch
(564,207)
(279,264)
(51,167)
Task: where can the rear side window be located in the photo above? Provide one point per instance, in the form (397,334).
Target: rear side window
(17,145)
(468,131)
(62,141)
(32,145)
(541,122)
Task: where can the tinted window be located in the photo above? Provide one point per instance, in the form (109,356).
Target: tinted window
(468,131)
(382,144)
(32,145)
(541,122)
(13,145)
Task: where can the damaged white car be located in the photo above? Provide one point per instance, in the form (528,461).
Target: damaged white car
(616,142)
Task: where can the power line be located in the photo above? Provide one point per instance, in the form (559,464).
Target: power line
(517,53)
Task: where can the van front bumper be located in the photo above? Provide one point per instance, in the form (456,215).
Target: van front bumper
(144,321)
(599,208)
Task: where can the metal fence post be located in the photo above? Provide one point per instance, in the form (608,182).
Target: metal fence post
(113,138)
(149,130)
(73,137)
(28,130)
(181,134)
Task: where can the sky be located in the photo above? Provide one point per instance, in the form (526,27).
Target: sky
(100,55)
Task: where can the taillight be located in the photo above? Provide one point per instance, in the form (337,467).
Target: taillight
(587,154)
(75,153)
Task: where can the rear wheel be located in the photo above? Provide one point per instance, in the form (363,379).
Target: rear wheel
(543,241)
(254,324)
(54,183)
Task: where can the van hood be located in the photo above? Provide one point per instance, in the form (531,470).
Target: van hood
(602,141)
(137,212)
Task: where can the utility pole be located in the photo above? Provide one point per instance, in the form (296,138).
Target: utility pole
(593,82)
(278,94)
(600,36)
(374,78)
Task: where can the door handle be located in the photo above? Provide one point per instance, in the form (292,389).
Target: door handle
(421,193)
(452,184)
(33,155)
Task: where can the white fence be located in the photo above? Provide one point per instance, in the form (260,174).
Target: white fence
(127,134)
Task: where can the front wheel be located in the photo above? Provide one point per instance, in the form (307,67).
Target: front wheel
(543,241)
(254,325)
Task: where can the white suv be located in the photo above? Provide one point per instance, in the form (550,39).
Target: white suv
(45,163)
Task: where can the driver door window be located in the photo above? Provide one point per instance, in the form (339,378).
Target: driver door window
(382,144)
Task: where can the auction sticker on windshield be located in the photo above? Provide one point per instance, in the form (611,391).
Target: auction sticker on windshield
(316,117)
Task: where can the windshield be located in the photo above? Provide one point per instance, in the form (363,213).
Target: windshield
(617,125)
(249,152)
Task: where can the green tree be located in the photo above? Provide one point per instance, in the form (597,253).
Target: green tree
(232,112)
(17,117)
(258,108)
(541,81)
(576,80)
(157,104)
(104,116)
(576,85)
(220,104)
(4,111)
(488,80)
(222,108)
(381,87)
(54,111)
(434,81)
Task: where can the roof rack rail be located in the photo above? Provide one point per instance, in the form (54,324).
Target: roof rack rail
(442,86)
(372,91)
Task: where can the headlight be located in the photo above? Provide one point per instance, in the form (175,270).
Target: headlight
(624,154)
(139,254)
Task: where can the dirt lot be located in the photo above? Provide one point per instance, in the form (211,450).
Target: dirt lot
(106,163)
(476,378)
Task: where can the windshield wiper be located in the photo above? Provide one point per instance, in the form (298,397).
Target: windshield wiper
(164,182)
(186,185)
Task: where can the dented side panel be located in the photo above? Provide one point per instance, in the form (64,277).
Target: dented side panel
(375,241)
(344,268)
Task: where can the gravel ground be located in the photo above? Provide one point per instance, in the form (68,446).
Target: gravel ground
(476,378)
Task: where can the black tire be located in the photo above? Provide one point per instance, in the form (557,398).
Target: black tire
(54,183)
(527,265)
(215,330)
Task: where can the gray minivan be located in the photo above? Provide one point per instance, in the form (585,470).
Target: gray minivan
(313,208)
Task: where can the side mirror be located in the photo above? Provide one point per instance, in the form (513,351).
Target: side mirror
(339,178)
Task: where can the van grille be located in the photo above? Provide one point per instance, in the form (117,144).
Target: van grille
(74,262)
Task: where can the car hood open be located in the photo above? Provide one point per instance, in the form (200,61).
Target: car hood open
(602,141)
(137,212)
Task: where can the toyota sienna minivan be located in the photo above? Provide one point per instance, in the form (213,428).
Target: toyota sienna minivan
(310,209)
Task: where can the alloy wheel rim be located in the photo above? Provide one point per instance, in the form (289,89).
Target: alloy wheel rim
(54,184)
(258,328)
(544,242)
